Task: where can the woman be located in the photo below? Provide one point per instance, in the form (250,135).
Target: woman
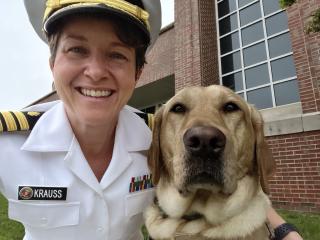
(79,172)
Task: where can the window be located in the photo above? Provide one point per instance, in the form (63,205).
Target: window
(231,62)
(255,52)
(233,81)
(252,33)
(250,14)
(229,43)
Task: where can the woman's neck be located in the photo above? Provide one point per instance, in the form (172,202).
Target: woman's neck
(96,143)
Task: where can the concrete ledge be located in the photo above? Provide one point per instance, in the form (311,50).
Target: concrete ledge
(285,126)
(311,121)
(289,119)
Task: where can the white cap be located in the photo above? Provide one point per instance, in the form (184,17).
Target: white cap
(145,14)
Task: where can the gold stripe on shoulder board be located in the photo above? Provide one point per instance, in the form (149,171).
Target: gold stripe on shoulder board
(18,120)
(150,120)
(147,118)
(23,122)
(9,121)
(33,113)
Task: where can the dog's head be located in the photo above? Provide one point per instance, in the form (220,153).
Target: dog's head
(208,137)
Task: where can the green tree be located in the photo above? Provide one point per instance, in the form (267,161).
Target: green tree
(313,25)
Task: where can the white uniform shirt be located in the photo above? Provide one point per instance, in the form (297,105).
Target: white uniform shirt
(50,156)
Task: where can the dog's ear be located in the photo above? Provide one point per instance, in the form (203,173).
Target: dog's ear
(154,155)
(263,157)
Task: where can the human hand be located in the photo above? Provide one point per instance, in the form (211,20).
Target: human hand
(293,236)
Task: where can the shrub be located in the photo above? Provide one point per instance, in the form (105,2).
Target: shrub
(314,24)
(286,3)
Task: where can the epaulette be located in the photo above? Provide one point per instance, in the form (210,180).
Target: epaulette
(12,121)
(148,118)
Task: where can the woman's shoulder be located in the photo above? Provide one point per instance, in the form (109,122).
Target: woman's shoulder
(146,117)
(17,121)
(12,122)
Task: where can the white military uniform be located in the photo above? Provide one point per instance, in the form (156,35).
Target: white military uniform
(50,156)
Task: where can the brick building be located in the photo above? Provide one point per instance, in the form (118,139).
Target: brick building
(261,52)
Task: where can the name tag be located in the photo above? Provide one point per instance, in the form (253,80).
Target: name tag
(42,193)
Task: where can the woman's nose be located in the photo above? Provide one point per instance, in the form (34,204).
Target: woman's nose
(96,68)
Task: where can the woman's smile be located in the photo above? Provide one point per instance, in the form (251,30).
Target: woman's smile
(100,93)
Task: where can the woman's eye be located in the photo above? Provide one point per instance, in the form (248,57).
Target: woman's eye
(118,56)
(77,50)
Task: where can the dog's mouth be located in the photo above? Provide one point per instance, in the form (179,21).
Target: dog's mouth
(204,174)
(205,178)
(210,175)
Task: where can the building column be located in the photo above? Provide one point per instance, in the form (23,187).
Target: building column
(196,59)
(306,54)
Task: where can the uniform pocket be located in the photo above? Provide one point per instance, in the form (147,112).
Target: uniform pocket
(138,201)
(44,215)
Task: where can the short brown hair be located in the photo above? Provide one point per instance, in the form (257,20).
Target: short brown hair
(126,32)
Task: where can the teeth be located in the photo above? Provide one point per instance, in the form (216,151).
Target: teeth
(95,93)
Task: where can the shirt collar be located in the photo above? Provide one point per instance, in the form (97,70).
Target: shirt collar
(137,133)
(53,133)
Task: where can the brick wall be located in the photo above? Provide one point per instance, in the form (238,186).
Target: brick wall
(306,53)
(196,59)
(296,184)
(208,43)
(187,44)
(160,59)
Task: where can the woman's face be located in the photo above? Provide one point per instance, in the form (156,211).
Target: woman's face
(94,72)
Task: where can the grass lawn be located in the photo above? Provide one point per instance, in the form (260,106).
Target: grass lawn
(308,224)
(9,230)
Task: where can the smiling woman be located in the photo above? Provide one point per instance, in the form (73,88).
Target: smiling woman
(29,54)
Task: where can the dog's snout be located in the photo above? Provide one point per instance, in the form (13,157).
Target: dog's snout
(204,139)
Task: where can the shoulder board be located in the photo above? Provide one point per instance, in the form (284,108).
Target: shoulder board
(148,118)
(13,121)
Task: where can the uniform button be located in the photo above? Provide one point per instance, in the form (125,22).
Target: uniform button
(44,221)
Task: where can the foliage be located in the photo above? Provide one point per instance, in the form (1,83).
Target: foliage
(314,24)
(286,3)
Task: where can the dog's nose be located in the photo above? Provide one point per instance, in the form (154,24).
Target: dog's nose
(204,140)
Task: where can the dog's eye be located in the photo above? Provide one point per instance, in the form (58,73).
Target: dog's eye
(230,107)
(178,108)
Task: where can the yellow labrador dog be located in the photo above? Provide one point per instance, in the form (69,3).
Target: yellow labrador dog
(210,163)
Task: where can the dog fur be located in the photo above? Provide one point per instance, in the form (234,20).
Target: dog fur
(210,163)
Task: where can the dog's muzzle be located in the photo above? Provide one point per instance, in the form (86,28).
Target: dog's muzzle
(204,146)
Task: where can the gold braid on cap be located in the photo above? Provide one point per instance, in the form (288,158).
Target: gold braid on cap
(124,6)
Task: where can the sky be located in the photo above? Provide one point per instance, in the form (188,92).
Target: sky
(24,67)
